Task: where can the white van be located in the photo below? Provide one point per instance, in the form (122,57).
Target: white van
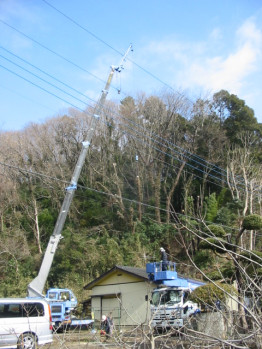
(24,323)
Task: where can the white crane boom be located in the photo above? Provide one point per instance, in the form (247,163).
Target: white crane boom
(36,286)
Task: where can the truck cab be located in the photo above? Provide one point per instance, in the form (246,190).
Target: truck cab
(170,306)
(62,301)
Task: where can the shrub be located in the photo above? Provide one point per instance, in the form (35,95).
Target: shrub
(252,221)
(215,244)
(255,256)
(203,258)
(214,275)
(208,294)
(217,230)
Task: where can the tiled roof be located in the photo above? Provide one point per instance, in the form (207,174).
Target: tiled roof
(135,271)
(139,272)
(130,270)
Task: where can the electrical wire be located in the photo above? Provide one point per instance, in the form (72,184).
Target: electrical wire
(132,201)
(108,45)
(204,171)
(82,27)
(27,98)
(158,150)
(54,52)
(120,53)
(47,82)
(41,88)
(73,105)
(192,155)
(44,72)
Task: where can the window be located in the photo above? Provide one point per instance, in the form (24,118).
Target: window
(170,297)
(33,309)
(21,310)
(65,296)
(10,310)
(52,295)
(185,296)
(175,296)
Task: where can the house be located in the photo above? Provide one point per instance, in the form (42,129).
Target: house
(122,292)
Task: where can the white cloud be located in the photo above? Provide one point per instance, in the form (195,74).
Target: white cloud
(15,9)
(249,32)
(215,34)
(16,14)
(229,72)
(202,63)
(220,62)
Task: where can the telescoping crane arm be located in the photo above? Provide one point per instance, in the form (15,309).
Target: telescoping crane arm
(36,286)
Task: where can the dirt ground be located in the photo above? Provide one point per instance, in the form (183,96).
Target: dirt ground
(86,339)
(81,339)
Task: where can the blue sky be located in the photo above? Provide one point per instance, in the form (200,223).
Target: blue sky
(199,46)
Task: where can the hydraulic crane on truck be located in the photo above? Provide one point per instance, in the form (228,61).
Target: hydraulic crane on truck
(62,301)
(170,306)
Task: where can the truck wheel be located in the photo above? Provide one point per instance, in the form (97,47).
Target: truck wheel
(59,328)
(27,341)
(158,331)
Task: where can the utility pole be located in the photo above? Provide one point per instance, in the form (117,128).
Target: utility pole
(35,288)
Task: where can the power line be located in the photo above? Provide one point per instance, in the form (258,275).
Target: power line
(120,53)
(53,52)
(73,105)
(27,98)
(47,82)
(192,155)
(172,150)
(132,129)
(44,72)
(41,88)
(108,45)
(183,150)
(39,174)
(82,27)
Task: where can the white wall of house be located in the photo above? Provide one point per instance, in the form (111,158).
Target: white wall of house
(123,296)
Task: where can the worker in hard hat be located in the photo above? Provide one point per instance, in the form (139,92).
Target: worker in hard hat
(106,326)
(163,258)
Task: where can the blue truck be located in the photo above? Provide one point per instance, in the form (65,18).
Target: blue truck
(62,303)
(170,306)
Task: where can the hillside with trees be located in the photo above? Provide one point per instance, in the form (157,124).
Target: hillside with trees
(161,171)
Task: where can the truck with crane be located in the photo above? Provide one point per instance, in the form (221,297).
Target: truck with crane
(63,301)
(170,306)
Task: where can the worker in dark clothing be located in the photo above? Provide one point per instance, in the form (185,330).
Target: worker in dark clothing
(163,258)
(106,328)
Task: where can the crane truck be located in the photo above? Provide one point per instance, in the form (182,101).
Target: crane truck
(63,301)
(170,306)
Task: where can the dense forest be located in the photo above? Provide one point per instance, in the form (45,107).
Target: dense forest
(161,171)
